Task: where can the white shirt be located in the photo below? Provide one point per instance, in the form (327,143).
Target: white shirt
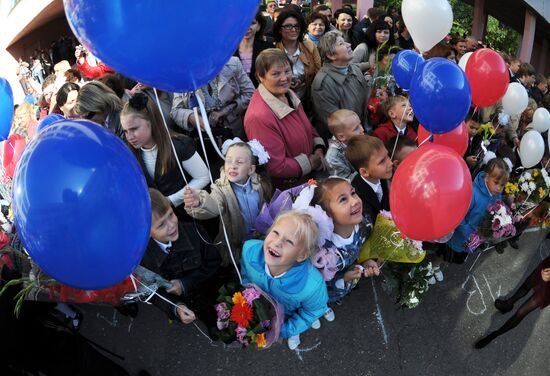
(376,187)
(164,247)
(266,268)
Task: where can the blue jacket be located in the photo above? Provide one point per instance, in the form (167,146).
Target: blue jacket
(301,290)
(481,199)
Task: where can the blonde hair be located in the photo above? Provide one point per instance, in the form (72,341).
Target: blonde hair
(337,118)
(62,67)
(306,229)
(391,102)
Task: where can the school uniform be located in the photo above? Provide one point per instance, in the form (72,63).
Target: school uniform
(195,263)
(373,202)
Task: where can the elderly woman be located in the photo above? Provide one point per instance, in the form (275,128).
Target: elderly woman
(276,118)
(288,33)
(253,42)
(317,25)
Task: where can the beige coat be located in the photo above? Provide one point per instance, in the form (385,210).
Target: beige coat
(222,200)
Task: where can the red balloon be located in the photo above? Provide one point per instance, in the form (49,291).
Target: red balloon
(13,147)
(457,139)
(430,193)
(488,75)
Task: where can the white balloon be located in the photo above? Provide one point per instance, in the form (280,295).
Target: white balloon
(515,100)
(541,120)
(428,21)
(464,60)
(531,149)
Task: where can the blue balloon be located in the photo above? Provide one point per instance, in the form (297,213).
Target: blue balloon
(440,95)
(404,64)
(173,45)
(6,108)
(81,205)
(49,120)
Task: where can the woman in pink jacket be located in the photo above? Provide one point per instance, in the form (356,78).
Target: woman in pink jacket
(276,118)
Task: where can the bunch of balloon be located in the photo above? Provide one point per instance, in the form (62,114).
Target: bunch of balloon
(81,205)
(431,192)
(164,51)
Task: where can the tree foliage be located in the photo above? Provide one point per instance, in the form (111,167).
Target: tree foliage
(497,35)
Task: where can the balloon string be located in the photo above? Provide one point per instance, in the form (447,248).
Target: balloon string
(399,133)
(153,293)
(209,132)
(178,162)
(426,140)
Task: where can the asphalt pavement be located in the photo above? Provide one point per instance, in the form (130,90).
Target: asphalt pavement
(370,335)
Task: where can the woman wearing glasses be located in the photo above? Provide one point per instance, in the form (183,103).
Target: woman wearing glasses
(288,32)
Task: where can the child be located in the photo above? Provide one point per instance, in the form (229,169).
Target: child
(177,253)
(399,111)
(238,195)
(401,147)
(370,159)
(487,189)
(280,266)
(538,282)
(342,124)
(342,204)
(474,140)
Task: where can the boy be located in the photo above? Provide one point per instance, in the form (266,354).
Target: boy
(403,147)
(474,141)
(370,159)
(342,124)
(399,111)
(177,253)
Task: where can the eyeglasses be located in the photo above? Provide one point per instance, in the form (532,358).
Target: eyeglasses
(290,27)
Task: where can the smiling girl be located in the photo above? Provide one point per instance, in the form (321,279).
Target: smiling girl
(237,195)
(280,267)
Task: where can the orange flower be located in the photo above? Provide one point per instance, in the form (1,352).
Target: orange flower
(242,314)
(312,182)
(238,298)
(260,340)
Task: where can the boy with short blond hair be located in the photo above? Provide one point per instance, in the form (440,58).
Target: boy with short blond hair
(370,158)
(399,111)
(342,124)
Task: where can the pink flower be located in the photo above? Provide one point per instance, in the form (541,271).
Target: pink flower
(222,311)
(250,295)
(265,324)
(240,332)
(222,324)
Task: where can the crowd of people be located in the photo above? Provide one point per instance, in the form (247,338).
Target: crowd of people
(305,96)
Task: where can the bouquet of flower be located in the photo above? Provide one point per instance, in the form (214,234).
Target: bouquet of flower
(409,282)
(248,315)
(386,243)
(498,225)
(530,189)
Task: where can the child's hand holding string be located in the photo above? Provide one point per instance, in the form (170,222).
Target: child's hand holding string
(545,274)
(191,198)
(185,314)
(176,288)
(354,273)
(371,268)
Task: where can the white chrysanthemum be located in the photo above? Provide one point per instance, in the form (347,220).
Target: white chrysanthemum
(532,186)
(524,187)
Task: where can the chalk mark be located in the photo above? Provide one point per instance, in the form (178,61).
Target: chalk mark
(113,322)
(471,293)
(298,351)
(378,314)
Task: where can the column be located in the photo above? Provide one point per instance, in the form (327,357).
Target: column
(528,36)
(363,6)
(335,4)
(479,20)
(543,58)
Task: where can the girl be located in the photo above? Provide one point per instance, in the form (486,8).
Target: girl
(342,204)
(280,266)
(237,195)
(538,282)
(487,190)
(150,142)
